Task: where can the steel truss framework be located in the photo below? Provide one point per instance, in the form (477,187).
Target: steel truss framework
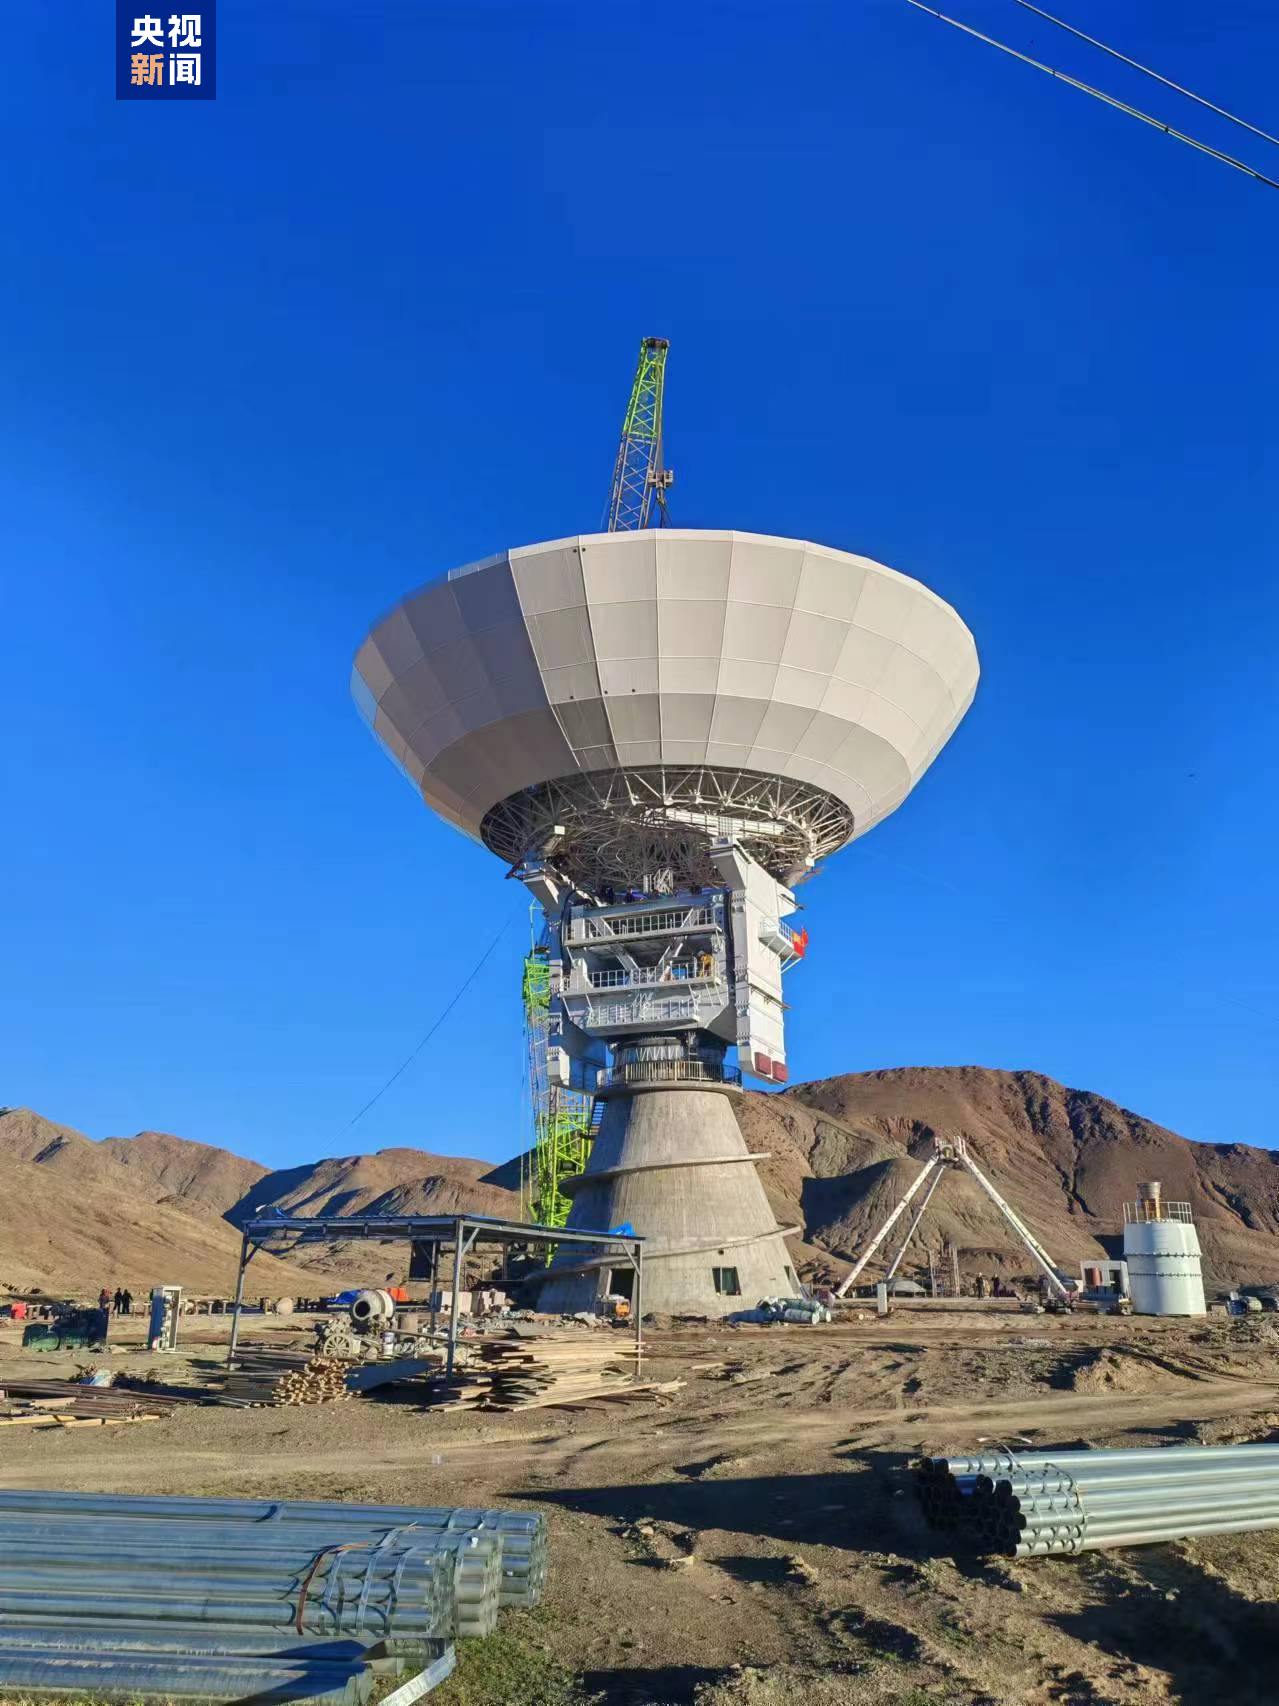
(280,1234)
(638,475)
(651,826)
(950,1153)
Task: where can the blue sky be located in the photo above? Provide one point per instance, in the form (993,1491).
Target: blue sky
(272,360)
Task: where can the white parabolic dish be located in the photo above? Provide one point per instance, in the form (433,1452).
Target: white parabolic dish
(747,678)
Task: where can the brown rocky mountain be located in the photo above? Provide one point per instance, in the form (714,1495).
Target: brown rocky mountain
(75,1217)
(189,1172)
(392,1181)
(841,1152)
(152,1209)
(845,1149)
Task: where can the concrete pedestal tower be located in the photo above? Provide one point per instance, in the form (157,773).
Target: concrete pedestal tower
(661,733)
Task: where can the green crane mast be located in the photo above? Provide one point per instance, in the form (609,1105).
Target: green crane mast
(638,476)
(565,1121)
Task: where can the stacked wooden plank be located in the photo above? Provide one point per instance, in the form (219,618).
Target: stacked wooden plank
(282,1377)
(530,1373)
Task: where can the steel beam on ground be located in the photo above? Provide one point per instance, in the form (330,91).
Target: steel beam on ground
(849,1278)
(245,1255)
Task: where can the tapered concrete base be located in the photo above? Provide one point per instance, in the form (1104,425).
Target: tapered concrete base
(674,1164)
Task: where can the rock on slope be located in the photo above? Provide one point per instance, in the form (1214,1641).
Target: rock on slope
(845,1149)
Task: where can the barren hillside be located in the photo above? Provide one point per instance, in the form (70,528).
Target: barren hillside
(75,1217)
(75,1214)
(391,1181)
(845,1149)
(194,1172)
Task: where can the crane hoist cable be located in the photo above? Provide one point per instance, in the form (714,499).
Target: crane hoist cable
(1100,95)
(1178,88)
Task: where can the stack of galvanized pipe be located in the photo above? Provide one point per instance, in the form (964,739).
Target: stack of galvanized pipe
(1036,1504)
(518,1537)
(220,1585)
(96,1664)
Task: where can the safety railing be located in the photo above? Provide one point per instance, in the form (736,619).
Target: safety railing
(666,1072)
(609,927)
(1151,1209)
(643,1009)
(679,971)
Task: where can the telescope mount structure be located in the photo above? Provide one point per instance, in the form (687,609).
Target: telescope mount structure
(662,733)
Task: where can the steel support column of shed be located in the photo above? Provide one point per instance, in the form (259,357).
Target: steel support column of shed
(462,1231)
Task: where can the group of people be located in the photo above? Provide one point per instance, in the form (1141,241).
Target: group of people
(119,1302)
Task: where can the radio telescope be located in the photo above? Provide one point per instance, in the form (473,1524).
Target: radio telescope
(662,732)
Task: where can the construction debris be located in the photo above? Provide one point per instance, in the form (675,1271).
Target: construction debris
(797,1311)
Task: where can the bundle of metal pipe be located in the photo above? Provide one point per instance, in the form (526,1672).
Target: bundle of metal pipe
(1033,1504)
(139,1663)
(403,1593)
(519,1536)
(171,1560)
(130,1676)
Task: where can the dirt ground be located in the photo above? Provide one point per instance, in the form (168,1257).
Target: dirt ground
(753,1541)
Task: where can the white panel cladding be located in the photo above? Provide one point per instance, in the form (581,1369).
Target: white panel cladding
(674,647)
(758,905)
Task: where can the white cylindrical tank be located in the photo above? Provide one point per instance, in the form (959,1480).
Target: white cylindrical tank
(1161,1248)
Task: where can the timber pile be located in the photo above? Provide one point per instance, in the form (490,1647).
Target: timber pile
(287,1377)
(527,1374)
(67,1403)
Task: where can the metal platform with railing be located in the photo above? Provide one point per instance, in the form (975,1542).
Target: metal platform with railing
(641,1007)
(1147,1209)
(678,971)
(657,1072)
(626,926)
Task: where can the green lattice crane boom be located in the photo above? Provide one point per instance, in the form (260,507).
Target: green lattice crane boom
(639,479)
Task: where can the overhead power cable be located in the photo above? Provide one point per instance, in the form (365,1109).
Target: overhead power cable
(457,996)
(1100,95)
(1147,72)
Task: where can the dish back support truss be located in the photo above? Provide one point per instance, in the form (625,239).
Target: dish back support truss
(652,826)
(950,1153)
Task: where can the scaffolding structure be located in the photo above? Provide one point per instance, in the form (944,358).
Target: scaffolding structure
(563,1120)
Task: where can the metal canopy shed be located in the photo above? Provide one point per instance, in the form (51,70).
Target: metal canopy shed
(280,1233)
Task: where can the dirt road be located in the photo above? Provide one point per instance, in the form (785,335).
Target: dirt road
(752,1540)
